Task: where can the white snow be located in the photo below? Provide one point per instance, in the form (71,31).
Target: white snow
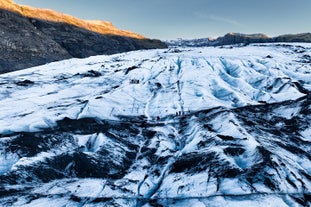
(78,187)
(6,162)
(24,161)
(306,134)
(271,201)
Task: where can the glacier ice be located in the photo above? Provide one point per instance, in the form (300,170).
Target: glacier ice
(185,127)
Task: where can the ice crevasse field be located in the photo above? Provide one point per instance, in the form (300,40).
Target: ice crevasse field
(210,126)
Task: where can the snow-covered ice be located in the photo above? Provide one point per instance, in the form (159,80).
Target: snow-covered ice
(193,80)
(173,127)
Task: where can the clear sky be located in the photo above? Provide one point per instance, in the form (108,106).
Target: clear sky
(172,19)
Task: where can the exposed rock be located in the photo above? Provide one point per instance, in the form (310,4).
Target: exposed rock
(31,37)
(22,45)
(236,38)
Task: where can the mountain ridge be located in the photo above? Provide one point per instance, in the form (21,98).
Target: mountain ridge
(240,38)
(29,41)
(98,26)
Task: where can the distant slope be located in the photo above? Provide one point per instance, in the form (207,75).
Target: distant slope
(238,38)
(304,37)
(31,36)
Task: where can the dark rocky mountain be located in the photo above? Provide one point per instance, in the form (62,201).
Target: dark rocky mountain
(238,38)
(31,37)
(304,37)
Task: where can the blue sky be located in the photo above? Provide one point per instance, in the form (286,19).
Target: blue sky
(171,19)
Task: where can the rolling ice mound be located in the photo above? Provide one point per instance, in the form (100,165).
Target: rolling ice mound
(156,83)
(225,126)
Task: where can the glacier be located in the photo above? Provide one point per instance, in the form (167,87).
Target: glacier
(208,126)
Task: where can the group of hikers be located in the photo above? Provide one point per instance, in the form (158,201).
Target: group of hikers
(178,113)
(134,81)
